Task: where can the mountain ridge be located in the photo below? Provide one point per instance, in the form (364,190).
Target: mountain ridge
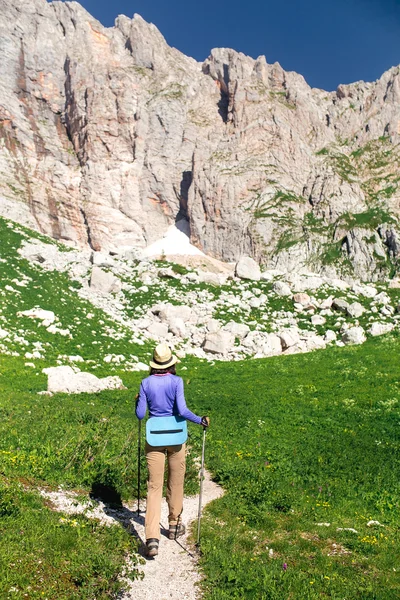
(109,136)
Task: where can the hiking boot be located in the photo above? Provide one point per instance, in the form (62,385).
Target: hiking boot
(176,531)
(151,547)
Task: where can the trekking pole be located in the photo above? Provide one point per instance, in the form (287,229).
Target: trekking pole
(201,485)
(138,477)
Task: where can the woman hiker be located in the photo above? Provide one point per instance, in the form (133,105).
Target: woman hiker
(162,393)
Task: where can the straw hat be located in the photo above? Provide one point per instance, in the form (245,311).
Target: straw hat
(162,357)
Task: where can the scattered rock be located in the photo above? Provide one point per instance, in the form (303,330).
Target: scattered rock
(139,366)
(354,335)
(72,381)
(100,259)
(301,298)
(318,320)
(373,523)
(219,343)
(326,304)
(380,328)
(330,336)
(158,330)
(281,288)
(104,282)
(239,330)
(47,316)
(340,304)
(289,337)
(355,310)
(177,327)
(211,278)
(213,325)
(272,345)
(247,268)
(382,298)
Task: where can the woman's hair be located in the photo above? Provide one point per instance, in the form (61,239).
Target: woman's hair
(170,369)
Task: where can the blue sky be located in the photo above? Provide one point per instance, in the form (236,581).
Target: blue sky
(327,41)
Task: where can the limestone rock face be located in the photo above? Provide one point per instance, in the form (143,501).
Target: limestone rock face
(108,136)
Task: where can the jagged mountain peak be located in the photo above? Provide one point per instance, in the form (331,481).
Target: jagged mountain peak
(108,136)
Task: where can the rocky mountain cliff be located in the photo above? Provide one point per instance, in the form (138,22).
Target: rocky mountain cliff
(108,135)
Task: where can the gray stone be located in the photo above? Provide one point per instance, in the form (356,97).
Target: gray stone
(318,320)
(301,298)
(330,336)
(289,337)
(211,278)
(354,335)
(100,259)
(167,312)
(272,345)
(380,328)
(247,268)
(219,343)
(382,298)
(355,310)
(70,380)
(239,330)
(158,330)
(213,325)
(281,288)
(326,304)
(315,342)
(177,327)
(340,304)
(104,282)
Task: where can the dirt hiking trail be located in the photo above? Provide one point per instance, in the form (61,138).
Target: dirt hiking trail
(173,574)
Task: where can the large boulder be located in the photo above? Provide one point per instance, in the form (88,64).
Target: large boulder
(247,268)
(301,298)
(355,310)
(380,328)
(219,342)
(289,337)
(239,330)
(158,330)
(354,335)
(46,316)
(72,381)
(168,312)
(104,282)
(177,327)
(272,345)
(340,304)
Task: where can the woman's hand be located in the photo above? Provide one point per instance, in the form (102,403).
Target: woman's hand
(205,421)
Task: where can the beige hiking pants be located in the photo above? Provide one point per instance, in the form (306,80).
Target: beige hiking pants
(155,457)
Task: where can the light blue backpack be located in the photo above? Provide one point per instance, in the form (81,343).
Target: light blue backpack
(166,431)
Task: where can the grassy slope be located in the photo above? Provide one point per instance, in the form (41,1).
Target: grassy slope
(295,440)
(298,441)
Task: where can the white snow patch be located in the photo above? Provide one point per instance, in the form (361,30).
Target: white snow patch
(175,241)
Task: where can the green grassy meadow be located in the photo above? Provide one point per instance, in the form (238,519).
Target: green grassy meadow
(306,447)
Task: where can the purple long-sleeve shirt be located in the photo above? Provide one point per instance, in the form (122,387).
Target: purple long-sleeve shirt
(164,396)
